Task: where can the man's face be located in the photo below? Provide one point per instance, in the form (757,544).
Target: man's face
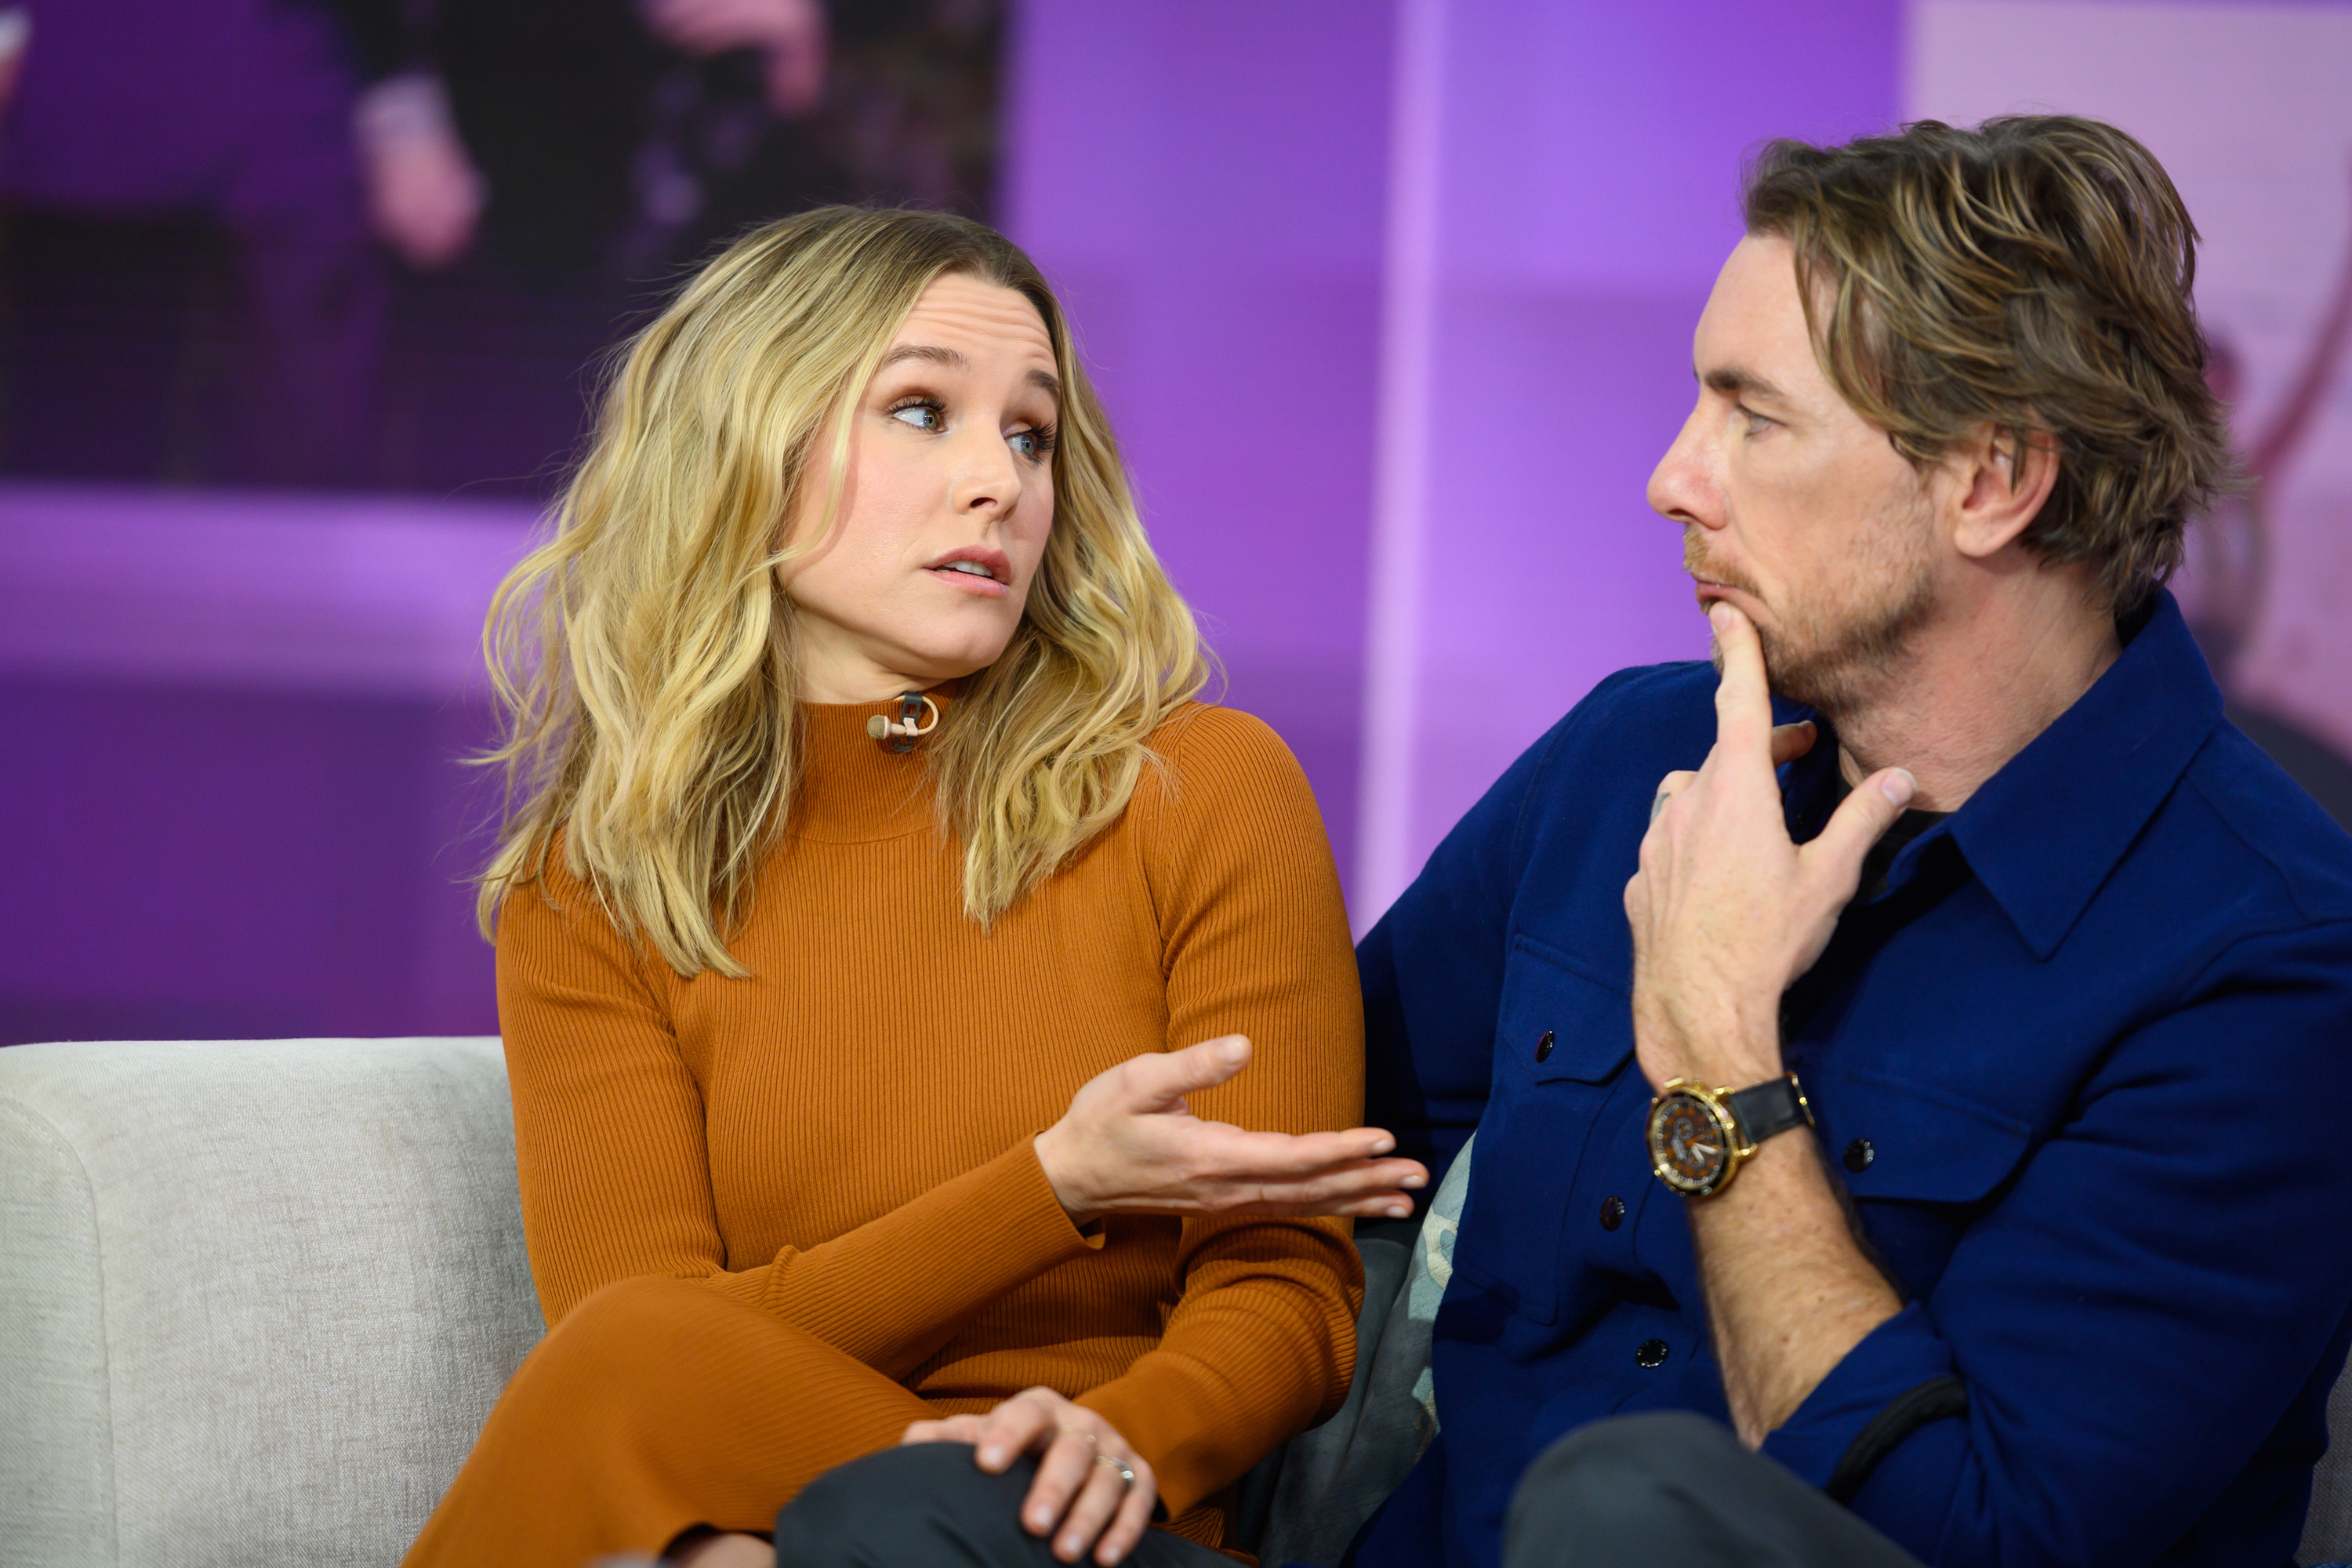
(1793,508)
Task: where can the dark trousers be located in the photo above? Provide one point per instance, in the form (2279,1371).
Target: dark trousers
(1629,1493)
(929,1506)
(1671,1486)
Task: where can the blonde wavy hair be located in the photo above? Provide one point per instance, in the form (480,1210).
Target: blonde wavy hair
(644,655)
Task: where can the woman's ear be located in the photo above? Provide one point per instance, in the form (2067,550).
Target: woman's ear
(2003,480)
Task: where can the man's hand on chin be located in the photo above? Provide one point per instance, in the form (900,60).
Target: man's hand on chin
(1727,912)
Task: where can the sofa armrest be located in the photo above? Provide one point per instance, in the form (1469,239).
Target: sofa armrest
(256,1297)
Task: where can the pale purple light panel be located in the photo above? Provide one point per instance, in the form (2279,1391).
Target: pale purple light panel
(1581,195)
(1459,245)
(1203,181)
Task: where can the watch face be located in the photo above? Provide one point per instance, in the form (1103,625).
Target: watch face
(1687,1144)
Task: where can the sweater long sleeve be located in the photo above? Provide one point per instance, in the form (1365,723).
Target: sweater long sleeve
(1245,893)
(616,1180)
(844,1139)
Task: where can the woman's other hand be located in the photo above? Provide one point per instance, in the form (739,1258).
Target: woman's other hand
(1129,1144)
(1080,1497)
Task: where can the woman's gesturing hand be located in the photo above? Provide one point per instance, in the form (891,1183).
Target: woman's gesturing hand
(1092,1488)
(1129,1144)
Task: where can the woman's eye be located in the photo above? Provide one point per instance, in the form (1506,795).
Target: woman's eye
(922,417)
(1037,443)
(1753,423)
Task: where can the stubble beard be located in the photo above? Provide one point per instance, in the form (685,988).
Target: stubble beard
(1833,652)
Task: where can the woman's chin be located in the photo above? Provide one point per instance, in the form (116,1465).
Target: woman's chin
(936,667)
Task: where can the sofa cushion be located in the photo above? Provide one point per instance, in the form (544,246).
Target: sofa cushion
(256,1297)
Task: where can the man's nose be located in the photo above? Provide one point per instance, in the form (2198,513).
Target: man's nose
(1680,489)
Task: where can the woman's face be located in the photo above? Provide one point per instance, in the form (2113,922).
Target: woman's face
(946,503)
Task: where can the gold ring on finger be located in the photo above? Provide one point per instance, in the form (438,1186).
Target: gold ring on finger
(1079,1432)
(1125,1473)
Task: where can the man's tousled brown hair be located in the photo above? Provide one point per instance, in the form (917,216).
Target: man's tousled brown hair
(2032,275)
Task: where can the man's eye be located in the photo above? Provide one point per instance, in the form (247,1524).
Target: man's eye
(1753,423)
(922,417)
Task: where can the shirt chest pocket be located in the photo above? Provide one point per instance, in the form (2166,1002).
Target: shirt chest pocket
(1563,1039)
(1921,1161)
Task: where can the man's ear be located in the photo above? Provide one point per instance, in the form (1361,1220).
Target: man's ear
(2003,479)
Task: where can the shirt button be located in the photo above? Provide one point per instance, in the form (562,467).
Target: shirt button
(1543,1045)
(1859,1154)
(1612,1212)
(1650,1354)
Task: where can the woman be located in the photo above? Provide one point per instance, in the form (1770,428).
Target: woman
(869,818)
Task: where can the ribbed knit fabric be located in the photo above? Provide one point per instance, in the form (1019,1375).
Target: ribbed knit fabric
(836,1155)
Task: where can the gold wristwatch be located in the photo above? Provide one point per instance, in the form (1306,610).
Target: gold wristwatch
(1700,1137)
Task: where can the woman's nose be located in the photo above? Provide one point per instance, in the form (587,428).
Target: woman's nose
(987,477)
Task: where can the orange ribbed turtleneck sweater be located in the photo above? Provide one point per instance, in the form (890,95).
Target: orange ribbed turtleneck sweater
(843,1139)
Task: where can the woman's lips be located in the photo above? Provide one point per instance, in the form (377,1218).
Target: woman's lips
(969,582)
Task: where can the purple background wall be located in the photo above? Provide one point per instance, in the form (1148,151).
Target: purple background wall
(1577,194)
(1480,230)
(1204,184)
(228,777)
(1391,300)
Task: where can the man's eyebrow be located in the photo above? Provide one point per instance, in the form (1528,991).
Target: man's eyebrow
(1045,380)
(1737,382)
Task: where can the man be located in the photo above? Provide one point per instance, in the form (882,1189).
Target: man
(1938,1092)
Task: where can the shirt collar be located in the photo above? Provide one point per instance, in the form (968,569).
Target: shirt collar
(2043,832)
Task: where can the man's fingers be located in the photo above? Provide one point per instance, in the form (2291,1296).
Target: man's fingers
(1859,821)
(1790,741)
(1743,699)
(1672,784)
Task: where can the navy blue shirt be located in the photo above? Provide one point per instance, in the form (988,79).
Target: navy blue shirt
(2084,1066)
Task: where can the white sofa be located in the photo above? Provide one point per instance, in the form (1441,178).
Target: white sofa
(256,1296)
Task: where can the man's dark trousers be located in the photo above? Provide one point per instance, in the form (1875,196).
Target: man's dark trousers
(1667,1486)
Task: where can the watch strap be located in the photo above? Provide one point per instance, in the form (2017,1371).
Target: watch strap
(1772,1106)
